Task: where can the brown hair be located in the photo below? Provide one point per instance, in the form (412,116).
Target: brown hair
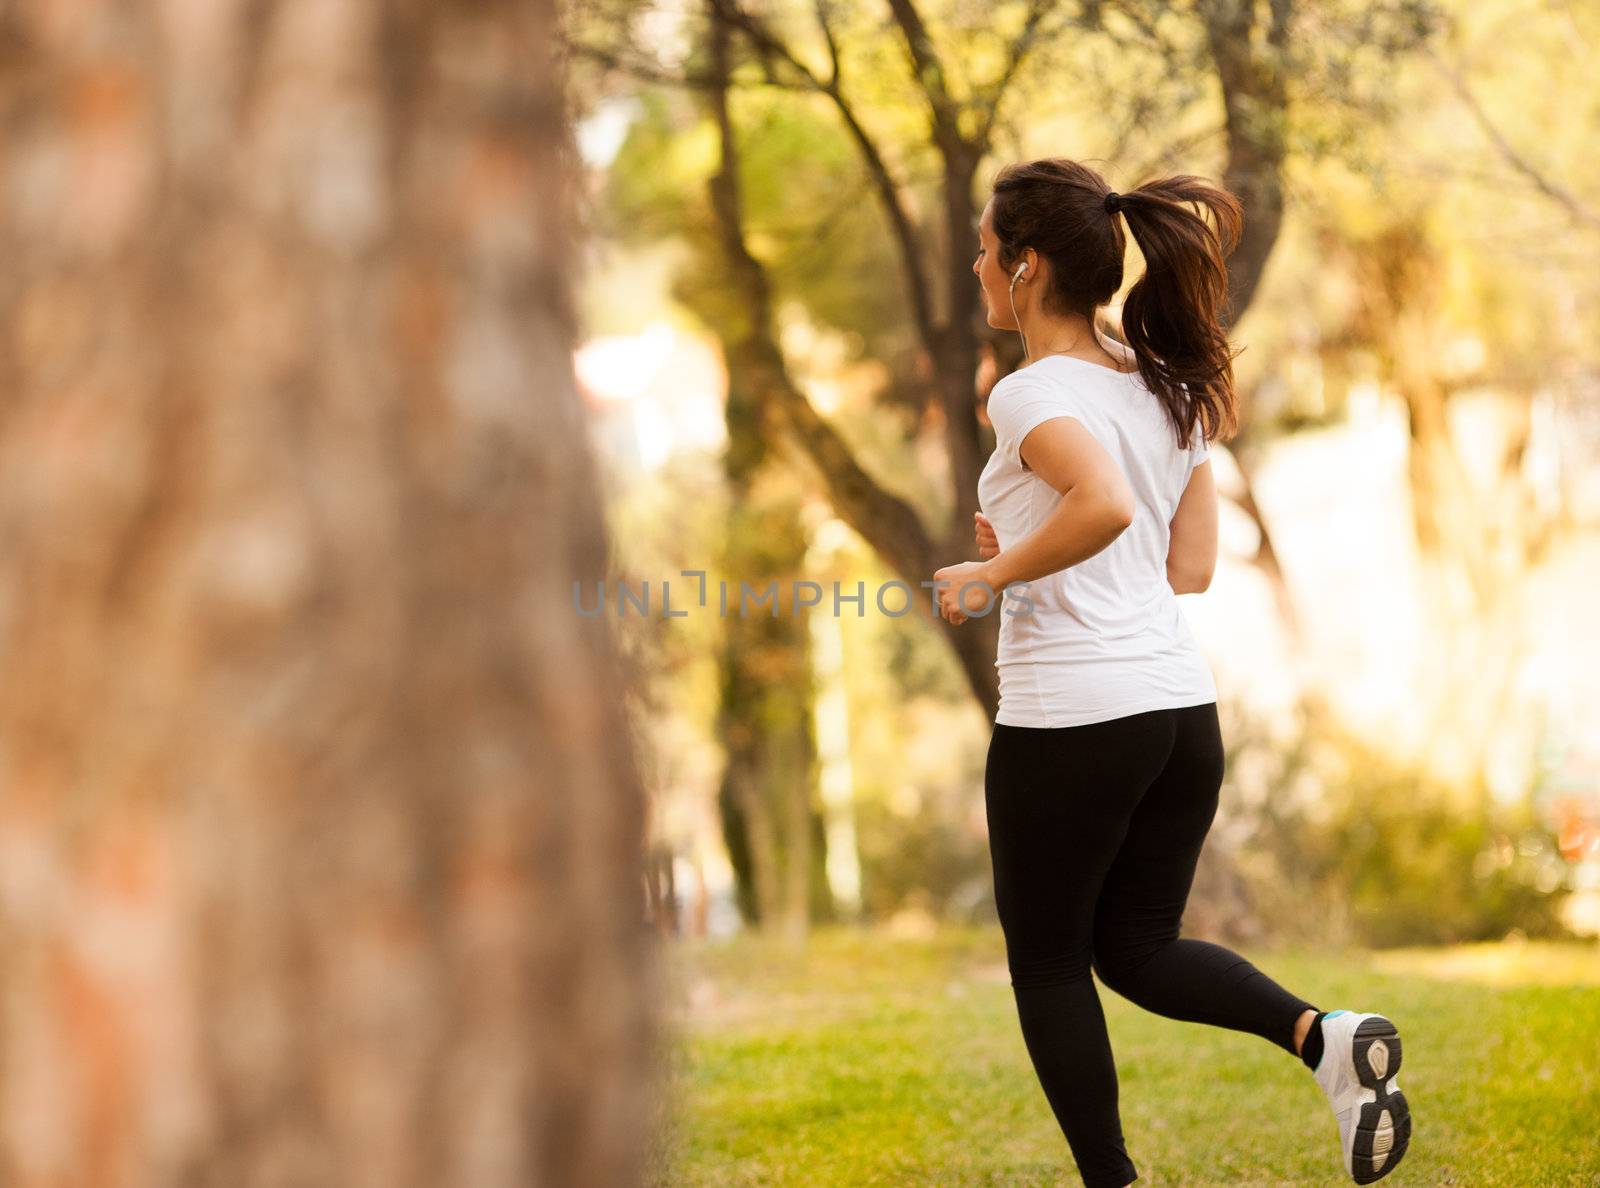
(1172,315)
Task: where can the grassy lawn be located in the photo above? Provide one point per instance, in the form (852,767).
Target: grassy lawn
(874,1060)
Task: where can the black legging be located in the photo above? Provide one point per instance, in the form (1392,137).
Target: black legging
(1095,831)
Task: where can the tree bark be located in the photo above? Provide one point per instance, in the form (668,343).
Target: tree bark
(768,799)
(1251,65)
(319,833)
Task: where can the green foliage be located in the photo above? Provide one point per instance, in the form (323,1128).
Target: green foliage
(810,217)
(1415,867)
(1345,841)
(929,859)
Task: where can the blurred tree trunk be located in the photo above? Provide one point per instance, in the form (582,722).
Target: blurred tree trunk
(772,821)
(1249,49)
(319,833)
(1402,317)
(1477,532)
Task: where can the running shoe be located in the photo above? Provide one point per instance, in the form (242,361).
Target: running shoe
(1360,1057)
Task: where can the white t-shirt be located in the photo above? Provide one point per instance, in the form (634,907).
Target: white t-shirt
(1104,638)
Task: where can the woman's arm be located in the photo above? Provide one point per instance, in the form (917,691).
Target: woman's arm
(1192,551)
(1096,507)
(1192,554)
(1096,504)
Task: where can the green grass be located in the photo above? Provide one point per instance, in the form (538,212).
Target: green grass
(871,1060)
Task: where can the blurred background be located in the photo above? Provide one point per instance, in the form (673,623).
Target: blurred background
(779,334)
(780,339)
(394,395)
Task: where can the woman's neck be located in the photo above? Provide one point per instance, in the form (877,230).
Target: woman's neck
(1075,337)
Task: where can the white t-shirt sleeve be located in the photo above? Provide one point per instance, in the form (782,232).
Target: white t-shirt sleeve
(1018,406)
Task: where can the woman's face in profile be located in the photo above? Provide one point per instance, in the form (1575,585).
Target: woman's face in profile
(993,279)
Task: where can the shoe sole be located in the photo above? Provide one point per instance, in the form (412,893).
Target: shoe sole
(1383,1129)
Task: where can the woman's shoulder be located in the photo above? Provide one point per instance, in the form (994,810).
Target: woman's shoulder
(1021,400)
(1032,381)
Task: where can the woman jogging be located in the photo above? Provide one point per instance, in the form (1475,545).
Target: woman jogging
(1105,762)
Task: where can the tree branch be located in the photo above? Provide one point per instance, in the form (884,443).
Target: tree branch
(889,524)
(930,75)
(1017,52)
(833,46)
(645,69)
(888,191)
(1563,197)
(1255,101)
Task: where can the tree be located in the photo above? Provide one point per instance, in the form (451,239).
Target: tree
(318,827)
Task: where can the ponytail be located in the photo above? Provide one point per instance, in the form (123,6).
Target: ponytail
(1172,317)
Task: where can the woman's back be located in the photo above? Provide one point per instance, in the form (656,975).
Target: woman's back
(1106,637)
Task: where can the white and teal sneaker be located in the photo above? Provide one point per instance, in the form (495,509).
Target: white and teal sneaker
(1360,1056)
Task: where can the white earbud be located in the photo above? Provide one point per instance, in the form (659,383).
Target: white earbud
(1011,289)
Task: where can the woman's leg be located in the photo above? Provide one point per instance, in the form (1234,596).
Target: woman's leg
(1137,950)
(1059,802)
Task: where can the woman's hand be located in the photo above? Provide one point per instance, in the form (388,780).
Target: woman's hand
(966,591)
(988,542)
